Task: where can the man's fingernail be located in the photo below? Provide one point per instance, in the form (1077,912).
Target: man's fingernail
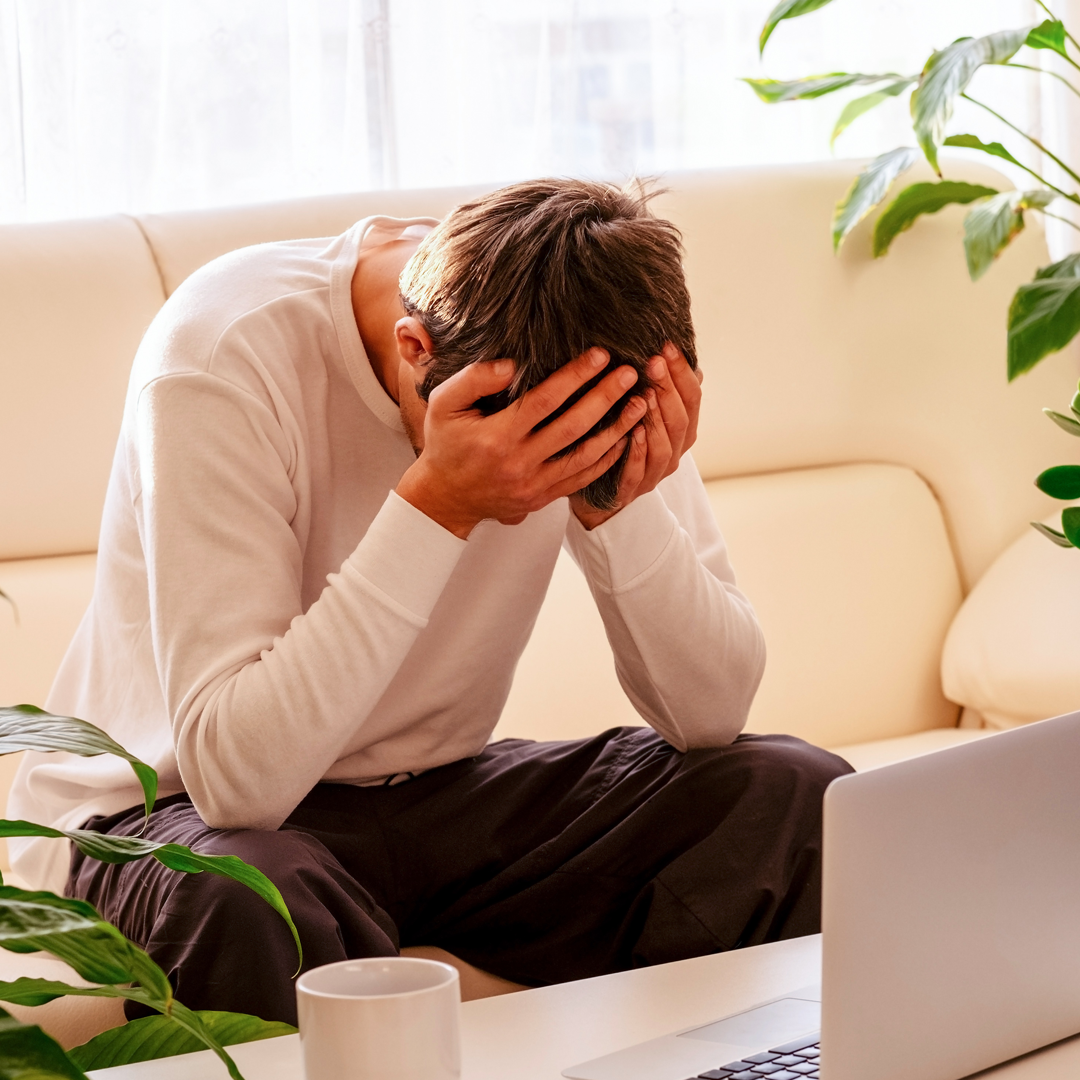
(597,358)
(656,368)
(639,435)
(627,377)
(637,407)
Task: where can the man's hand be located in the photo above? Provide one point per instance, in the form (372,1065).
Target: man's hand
(658,444)
(474,467)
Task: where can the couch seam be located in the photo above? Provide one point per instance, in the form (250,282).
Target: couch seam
(153,254)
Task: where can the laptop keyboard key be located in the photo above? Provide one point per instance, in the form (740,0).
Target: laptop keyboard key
(786,1074)
(714,1074)
(761,1059)
(738,1066)
(766,1069)
(746,1075)
(789,1059)
(806,1068)
(797,1045)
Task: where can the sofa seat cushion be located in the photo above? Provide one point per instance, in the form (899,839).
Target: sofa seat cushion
(1011,654)
(51,595)
(71,1021)
(872,755)
(853,578)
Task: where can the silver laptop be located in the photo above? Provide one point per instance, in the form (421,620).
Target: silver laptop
(951,927)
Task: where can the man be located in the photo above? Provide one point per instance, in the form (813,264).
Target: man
(345,471)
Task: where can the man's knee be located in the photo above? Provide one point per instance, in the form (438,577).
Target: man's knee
(793,772)
(280,855)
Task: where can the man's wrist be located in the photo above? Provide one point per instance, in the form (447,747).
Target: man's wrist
(417,488)
(589,517)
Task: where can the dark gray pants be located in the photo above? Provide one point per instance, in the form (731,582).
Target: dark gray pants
(539,862)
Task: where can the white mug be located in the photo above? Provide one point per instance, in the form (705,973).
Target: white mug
(386,1018)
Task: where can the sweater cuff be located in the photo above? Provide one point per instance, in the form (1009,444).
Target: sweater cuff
(407,555)
(626,546)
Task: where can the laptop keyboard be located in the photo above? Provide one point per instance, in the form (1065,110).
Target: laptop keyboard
(793,1061)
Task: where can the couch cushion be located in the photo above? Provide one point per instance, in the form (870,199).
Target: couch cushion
(51,595)
(75,299)
(872,755)
(69,1020)
(810,359)
(815,359)
(1012,651)
(852,576)
(185,240)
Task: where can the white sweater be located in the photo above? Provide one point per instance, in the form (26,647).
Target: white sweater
(268,613)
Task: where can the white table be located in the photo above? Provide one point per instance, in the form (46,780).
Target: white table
(535,1034)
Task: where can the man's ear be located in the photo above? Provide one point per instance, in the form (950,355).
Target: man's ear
(413,343)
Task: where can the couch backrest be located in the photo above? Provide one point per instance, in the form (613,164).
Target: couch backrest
(811,361)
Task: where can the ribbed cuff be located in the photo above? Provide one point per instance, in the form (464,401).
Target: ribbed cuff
(407,555)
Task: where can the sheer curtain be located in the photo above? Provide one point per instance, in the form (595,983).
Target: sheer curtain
(110,105)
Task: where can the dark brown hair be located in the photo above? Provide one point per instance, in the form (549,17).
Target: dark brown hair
(540,271)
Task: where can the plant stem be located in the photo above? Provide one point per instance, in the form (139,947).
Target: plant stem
(1058,217)
(1034,142)
(1056,19)
(1045,71)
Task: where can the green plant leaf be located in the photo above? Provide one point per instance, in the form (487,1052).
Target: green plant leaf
(1052,534)
(73,931)
(857,106)
(27,1053)
(1060,482)
(786,9)
(973,142)
(1070,524)
(1044,315)
(774,91)
(1074,407)
(178,857)
(1066,423)
(158,1036)
(991,226)
(946,77)
(1048,35)
(26,727)
(868,189)
(918,199)
(122,849)
(42,991)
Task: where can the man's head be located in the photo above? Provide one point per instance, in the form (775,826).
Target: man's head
(541,271)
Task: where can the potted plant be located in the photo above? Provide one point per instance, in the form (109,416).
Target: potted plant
(1044,315)
(73,931)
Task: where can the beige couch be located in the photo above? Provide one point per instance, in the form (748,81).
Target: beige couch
(865,457)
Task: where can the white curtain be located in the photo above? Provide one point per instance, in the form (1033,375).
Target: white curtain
(110,105)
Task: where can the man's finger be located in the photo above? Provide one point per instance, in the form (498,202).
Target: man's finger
(593,449)
(687,383)
(661,449)
(686,380)
(543,399)
(570,483)
(584,414)
(671,405)
(472,382)
(636,465)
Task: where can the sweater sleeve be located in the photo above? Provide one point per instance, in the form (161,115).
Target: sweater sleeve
(688,649)
(261,695)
